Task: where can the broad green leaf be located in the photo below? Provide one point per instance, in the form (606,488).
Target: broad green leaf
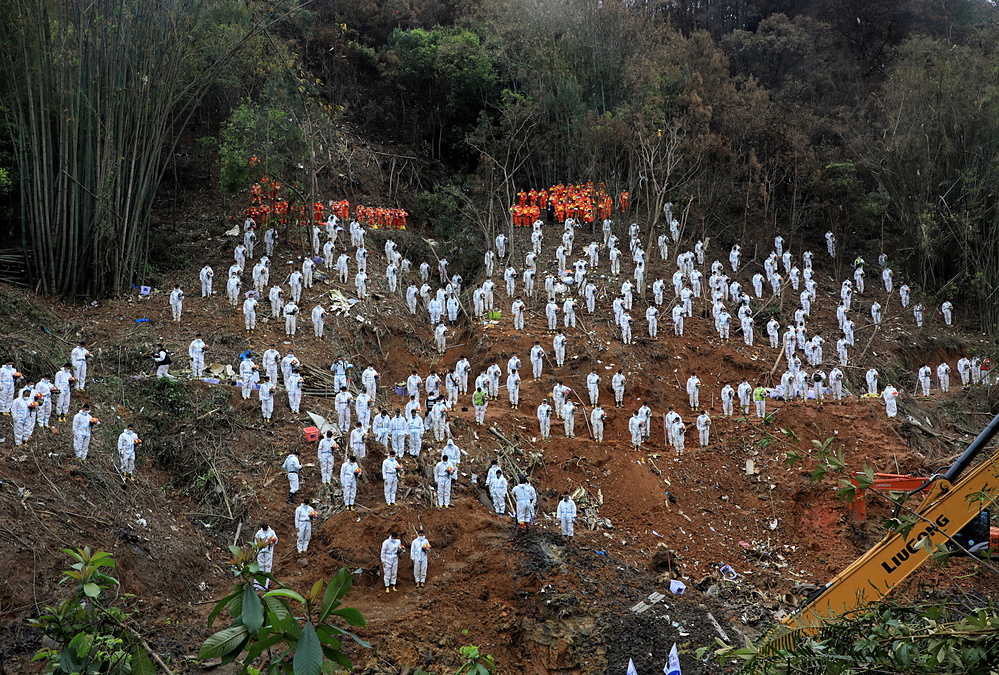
(357,640)
(351,615)
(338,587)
(236,601)
(258,647)
(253,610)
(141,664)
(220,606)
(223,642)
(339,657)
(91,590)
(308,653)
(344,580)
(277,607)
(81,644)
(102,559)
(846,492)
(314,591)
(68,662)
(285,593)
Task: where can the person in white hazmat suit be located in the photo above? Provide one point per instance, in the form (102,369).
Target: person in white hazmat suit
(391,548)
(497,484)
(566,514)
(890,396)
(83,424)
(304,515)
(265,540)
(526,499)
(444,472)
(327,457)
(349,473)
(292,465)
(390,475)
(127,441)
(419,553)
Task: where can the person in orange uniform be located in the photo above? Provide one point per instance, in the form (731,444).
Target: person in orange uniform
(624,201)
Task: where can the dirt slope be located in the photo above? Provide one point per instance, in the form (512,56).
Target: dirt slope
(210,468)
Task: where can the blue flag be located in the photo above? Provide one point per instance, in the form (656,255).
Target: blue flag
(672,666)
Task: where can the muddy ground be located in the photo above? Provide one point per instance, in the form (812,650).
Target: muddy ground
(210,472)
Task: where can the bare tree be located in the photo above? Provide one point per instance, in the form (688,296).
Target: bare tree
(504,147)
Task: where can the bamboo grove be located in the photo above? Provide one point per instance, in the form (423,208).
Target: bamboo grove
(99,92)
(879,121)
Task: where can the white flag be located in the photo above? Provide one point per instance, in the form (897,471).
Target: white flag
(672,666)
(631,668)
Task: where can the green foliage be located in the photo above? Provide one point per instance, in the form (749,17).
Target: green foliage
(264,623)
(884,638)
(87,626)
(791,458)
(828,460)
(786,55)
(847,491)
(449,74)
(441,210)
(476,663)
(762,317)
(271,134)
(169,394)
(100,95)
(940,98)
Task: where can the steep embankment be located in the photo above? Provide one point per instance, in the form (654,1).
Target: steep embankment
(209,473)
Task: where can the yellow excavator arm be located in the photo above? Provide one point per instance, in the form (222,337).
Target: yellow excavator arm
(950,505)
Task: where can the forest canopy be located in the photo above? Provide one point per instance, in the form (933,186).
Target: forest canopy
(875,120)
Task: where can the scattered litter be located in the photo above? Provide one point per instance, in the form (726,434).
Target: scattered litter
(728,572)
(322,425)
(721,631)
(644,605)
